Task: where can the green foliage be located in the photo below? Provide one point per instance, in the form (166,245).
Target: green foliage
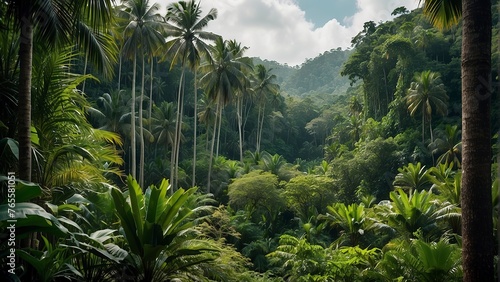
(309,194)
(257,192)
(418,260)
(159,230)
(412,178)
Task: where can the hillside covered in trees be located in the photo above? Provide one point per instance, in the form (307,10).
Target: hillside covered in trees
(139,146)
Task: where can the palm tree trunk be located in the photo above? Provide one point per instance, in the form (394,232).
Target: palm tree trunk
(261,125)
(119,71)
(24,100)
(150,93)
(239,113)
(257,146)
(178,125)
(212,149)
(221,109)
(132,120)
(423,123)
(141,128)
(477,251)
(195,134)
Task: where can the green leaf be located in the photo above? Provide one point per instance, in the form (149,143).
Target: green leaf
(9,146)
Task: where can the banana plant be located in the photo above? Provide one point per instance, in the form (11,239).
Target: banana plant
(159,230)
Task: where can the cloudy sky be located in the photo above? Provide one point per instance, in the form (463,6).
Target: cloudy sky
(290,31)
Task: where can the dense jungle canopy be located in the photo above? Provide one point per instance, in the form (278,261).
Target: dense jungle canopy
(140,146)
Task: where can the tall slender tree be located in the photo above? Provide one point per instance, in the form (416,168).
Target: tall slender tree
(187,46)
(264,85)
(477,226)
(426,94)
(52,24)
(223,76)
(143,32)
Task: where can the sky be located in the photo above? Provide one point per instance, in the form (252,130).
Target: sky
(291,31)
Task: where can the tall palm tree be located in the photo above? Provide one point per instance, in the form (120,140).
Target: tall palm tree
(187,46)
(144,33)
(240,94)
(264,85)
(426,94)
(476,133)
(56,23)
(223,75)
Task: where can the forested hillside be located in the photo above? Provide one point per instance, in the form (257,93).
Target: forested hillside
(140,146)
(315,77)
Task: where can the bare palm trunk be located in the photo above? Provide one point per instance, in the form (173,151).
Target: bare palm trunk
(212,149)
(120,71)
(132,120)
(195,134)
(257,146)
(24,102)
(239,113)
(477,251)
(260,126)
(178,125)
(141,128)
(150,110)
(221,109)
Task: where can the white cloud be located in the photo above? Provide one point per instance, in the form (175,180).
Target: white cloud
(278,29)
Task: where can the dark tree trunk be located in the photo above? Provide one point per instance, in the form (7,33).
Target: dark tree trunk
(477,229)
(24,99)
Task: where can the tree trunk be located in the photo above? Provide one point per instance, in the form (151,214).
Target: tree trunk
(239,113)
(150,110)
(132,120)
(24,99)
(212,149)
(477,229)
(178,125)
(195,134)
(141,128)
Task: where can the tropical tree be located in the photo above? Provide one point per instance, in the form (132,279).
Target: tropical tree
(426,94)
(476,133)
(143,33)
(263,86)
(223,74)
(187,47)
(448,145)
(53,24)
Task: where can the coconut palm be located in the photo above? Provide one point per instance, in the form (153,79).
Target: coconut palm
(264,85)
(223,75)
(476,133)
(427,94)
(187,46)
(53,24)
(143,33)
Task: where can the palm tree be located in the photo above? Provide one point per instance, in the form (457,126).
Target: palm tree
(476,133)
(111,112)
(187,47)
(163,123)
(56,23)
(143,30)
(449,145)
(412,178)
(426,92)
(223,76)
(263,86)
